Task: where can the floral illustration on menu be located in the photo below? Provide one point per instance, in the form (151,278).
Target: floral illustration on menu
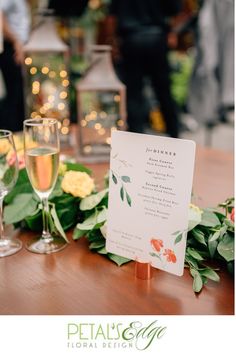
(161,252)
(122,180)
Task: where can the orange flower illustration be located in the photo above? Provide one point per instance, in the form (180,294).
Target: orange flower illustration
(156,244)
(170,256)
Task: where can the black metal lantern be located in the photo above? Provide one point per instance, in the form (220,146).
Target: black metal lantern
(101,106)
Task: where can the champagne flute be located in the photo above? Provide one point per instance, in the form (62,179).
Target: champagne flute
(8,177)
(41,144)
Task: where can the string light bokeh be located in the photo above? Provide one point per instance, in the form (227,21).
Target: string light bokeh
(47,89)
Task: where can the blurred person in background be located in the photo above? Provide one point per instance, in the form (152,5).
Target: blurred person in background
(211,92)
(142,30)
(16,25)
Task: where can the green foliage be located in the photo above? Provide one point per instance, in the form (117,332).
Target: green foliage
(22,186)
(23,207)
(210,234)
(226,247)
(212,238)
(209,219)
(9,176)
(77,167)
(93,200)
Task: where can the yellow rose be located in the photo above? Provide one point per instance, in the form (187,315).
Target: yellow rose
(79,184)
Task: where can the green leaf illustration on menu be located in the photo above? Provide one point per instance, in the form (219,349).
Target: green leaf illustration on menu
(122,181)
(128,199)
(122,193)
(125,179)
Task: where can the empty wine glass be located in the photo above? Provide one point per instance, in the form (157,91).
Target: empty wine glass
(8,177)
(42,147)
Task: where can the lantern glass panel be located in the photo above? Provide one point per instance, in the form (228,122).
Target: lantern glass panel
(100,115)
(101,106)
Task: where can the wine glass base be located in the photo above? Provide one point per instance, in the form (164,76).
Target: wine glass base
(41,246)
(9,246)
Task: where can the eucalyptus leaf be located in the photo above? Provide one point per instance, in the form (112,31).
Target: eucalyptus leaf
(223,230)
(212,246)
(22,186)
(102,215)
(214,236)
(192,252)
(209,219)
(197,280)
(88,223)
(226,248)
(57,223)
(52,226)
(199,236)
(102,250)
(93,200)
(219,214)
(210,274)
(191,261)
(23,206)
(77,234)
(9,176)
(118,259)
(94,220)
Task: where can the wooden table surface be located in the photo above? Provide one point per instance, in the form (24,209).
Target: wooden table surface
(76,281)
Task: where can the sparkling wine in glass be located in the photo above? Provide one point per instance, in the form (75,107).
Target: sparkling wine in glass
(42,147)
(8,177)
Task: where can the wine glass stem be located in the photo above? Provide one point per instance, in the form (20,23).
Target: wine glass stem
(46,233)
(1,219)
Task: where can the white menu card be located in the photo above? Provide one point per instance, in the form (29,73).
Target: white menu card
(149,194)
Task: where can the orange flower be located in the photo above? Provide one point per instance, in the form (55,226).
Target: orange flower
(170,256)
(156,244)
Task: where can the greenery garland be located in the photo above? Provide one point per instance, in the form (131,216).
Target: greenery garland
(210,232)
(210,236)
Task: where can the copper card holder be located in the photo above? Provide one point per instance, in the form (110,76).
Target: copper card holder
(143,270)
